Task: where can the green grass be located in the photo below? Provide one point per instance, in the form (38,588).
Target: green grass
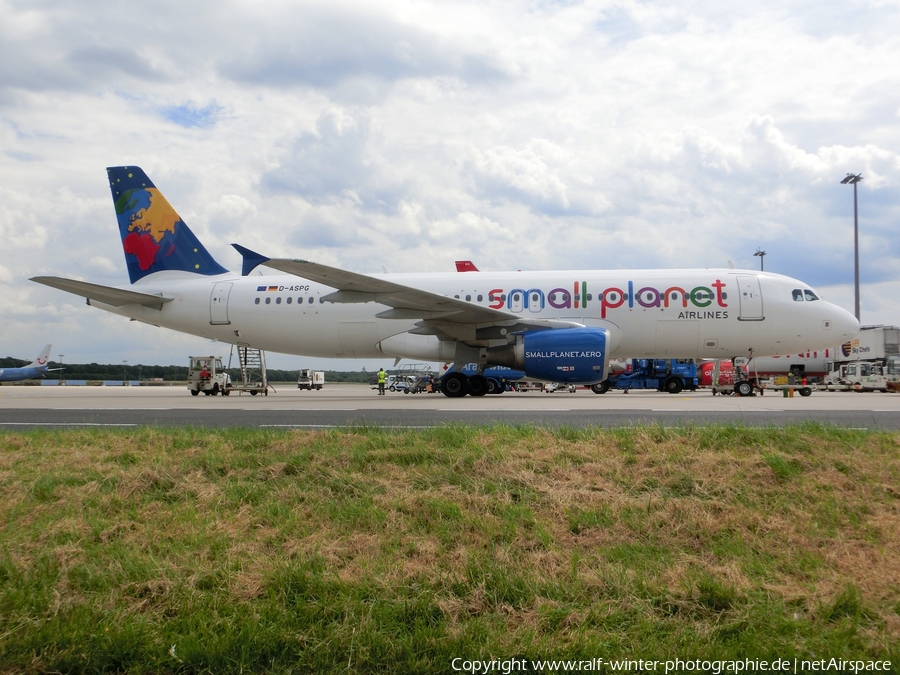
(367,550)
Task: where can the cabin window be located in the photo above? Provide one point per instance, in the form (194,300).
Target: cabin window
(810,295)
(535,297)
(798,295)
(490,297)
(289,300)
(256,302)
(468,298)
(590,296)
(456,296)
(278,301)
(321,300)
(268,301)
(724,295)
(480,297)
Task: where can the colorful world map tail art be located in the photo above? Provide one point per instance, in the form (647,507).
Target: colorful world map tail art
(154,237)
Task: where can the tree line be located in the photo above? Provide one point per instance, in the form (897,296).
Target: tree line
(99,371)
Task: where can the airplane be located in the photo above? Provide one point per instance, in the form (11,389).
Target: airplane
(560,326)
(37,368)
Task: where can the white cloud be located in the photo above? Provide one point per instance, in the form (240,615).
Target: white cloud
(603,133)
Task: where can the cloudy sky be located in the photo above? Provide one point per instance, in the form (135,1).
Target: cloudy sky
(408,134)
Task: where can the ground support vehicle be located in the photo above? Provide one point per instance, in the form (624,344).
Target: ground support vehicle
(869,362)
(423,384)
(207,374)
(310,379)
(669,375)
(528,385)
(787,384)
(254,379)
(397,382)
(551,387)
(864,376)
(724,381)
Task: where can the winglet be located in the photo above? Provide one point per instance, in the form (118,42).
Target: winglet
(251,259)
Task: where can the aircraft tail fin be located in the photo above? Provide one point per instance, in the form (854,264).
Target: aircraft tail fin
(42,358)
(465,266)
(154,237)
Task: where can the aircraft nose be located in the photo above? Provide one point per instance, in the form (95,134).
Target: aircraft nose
(843,324)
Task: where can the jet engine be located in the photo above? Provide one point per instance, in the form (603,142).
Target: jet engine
(575,355)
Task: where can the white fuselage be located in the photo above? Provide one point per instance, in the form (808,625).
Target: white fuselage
(713,313)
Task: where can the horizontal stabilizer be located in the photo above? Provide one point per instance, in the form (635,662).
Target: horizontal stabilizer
(105,294)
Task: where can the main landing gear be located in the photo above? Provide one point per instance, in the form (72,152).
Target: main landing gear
(456,385)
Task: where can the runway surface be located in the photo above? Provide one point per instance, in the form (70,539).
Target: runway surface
(24,407)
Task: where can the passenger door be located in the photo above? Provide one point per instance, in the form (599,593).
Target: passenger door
(751,299)
(218,303)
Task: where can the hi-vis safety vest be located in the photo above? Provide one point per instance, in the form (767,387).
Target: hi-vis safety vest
(381,376)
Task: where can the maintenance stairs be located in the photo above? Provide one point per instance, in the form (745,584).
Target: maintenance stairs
(253,371)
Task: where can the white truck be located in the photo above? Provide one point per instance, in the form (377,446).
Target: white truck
(864,376)
(206,374)
(869,362)
(310,379)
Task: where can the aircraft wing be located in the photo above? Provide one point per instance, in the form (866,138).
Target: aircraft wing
(407,302)
(439,314)
(105,294)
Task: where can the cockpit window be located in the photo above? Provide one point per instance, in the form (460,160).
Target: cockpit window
(810,295)
(798,295)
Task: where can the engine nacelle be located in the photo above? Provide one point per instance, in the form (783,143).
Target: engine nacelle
(575,355)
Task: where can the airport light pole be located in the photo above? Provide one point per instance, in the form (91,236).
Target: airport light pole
(760,254)
(60,367)
(124,366)
(853,179)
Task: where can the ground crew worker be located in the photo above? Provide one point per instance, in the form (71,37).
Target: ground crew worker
(381,378)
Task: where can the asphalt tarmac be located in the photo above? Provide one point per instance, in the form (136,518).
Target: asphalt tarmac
(23,407)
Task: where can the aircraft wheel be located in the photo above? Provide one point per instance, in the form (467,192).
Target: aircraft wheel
(493,387)
(207,393)
(454,385)
(805,391)
(195,392)
(674,385)
(600,387)
(478,385)
(743,388)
